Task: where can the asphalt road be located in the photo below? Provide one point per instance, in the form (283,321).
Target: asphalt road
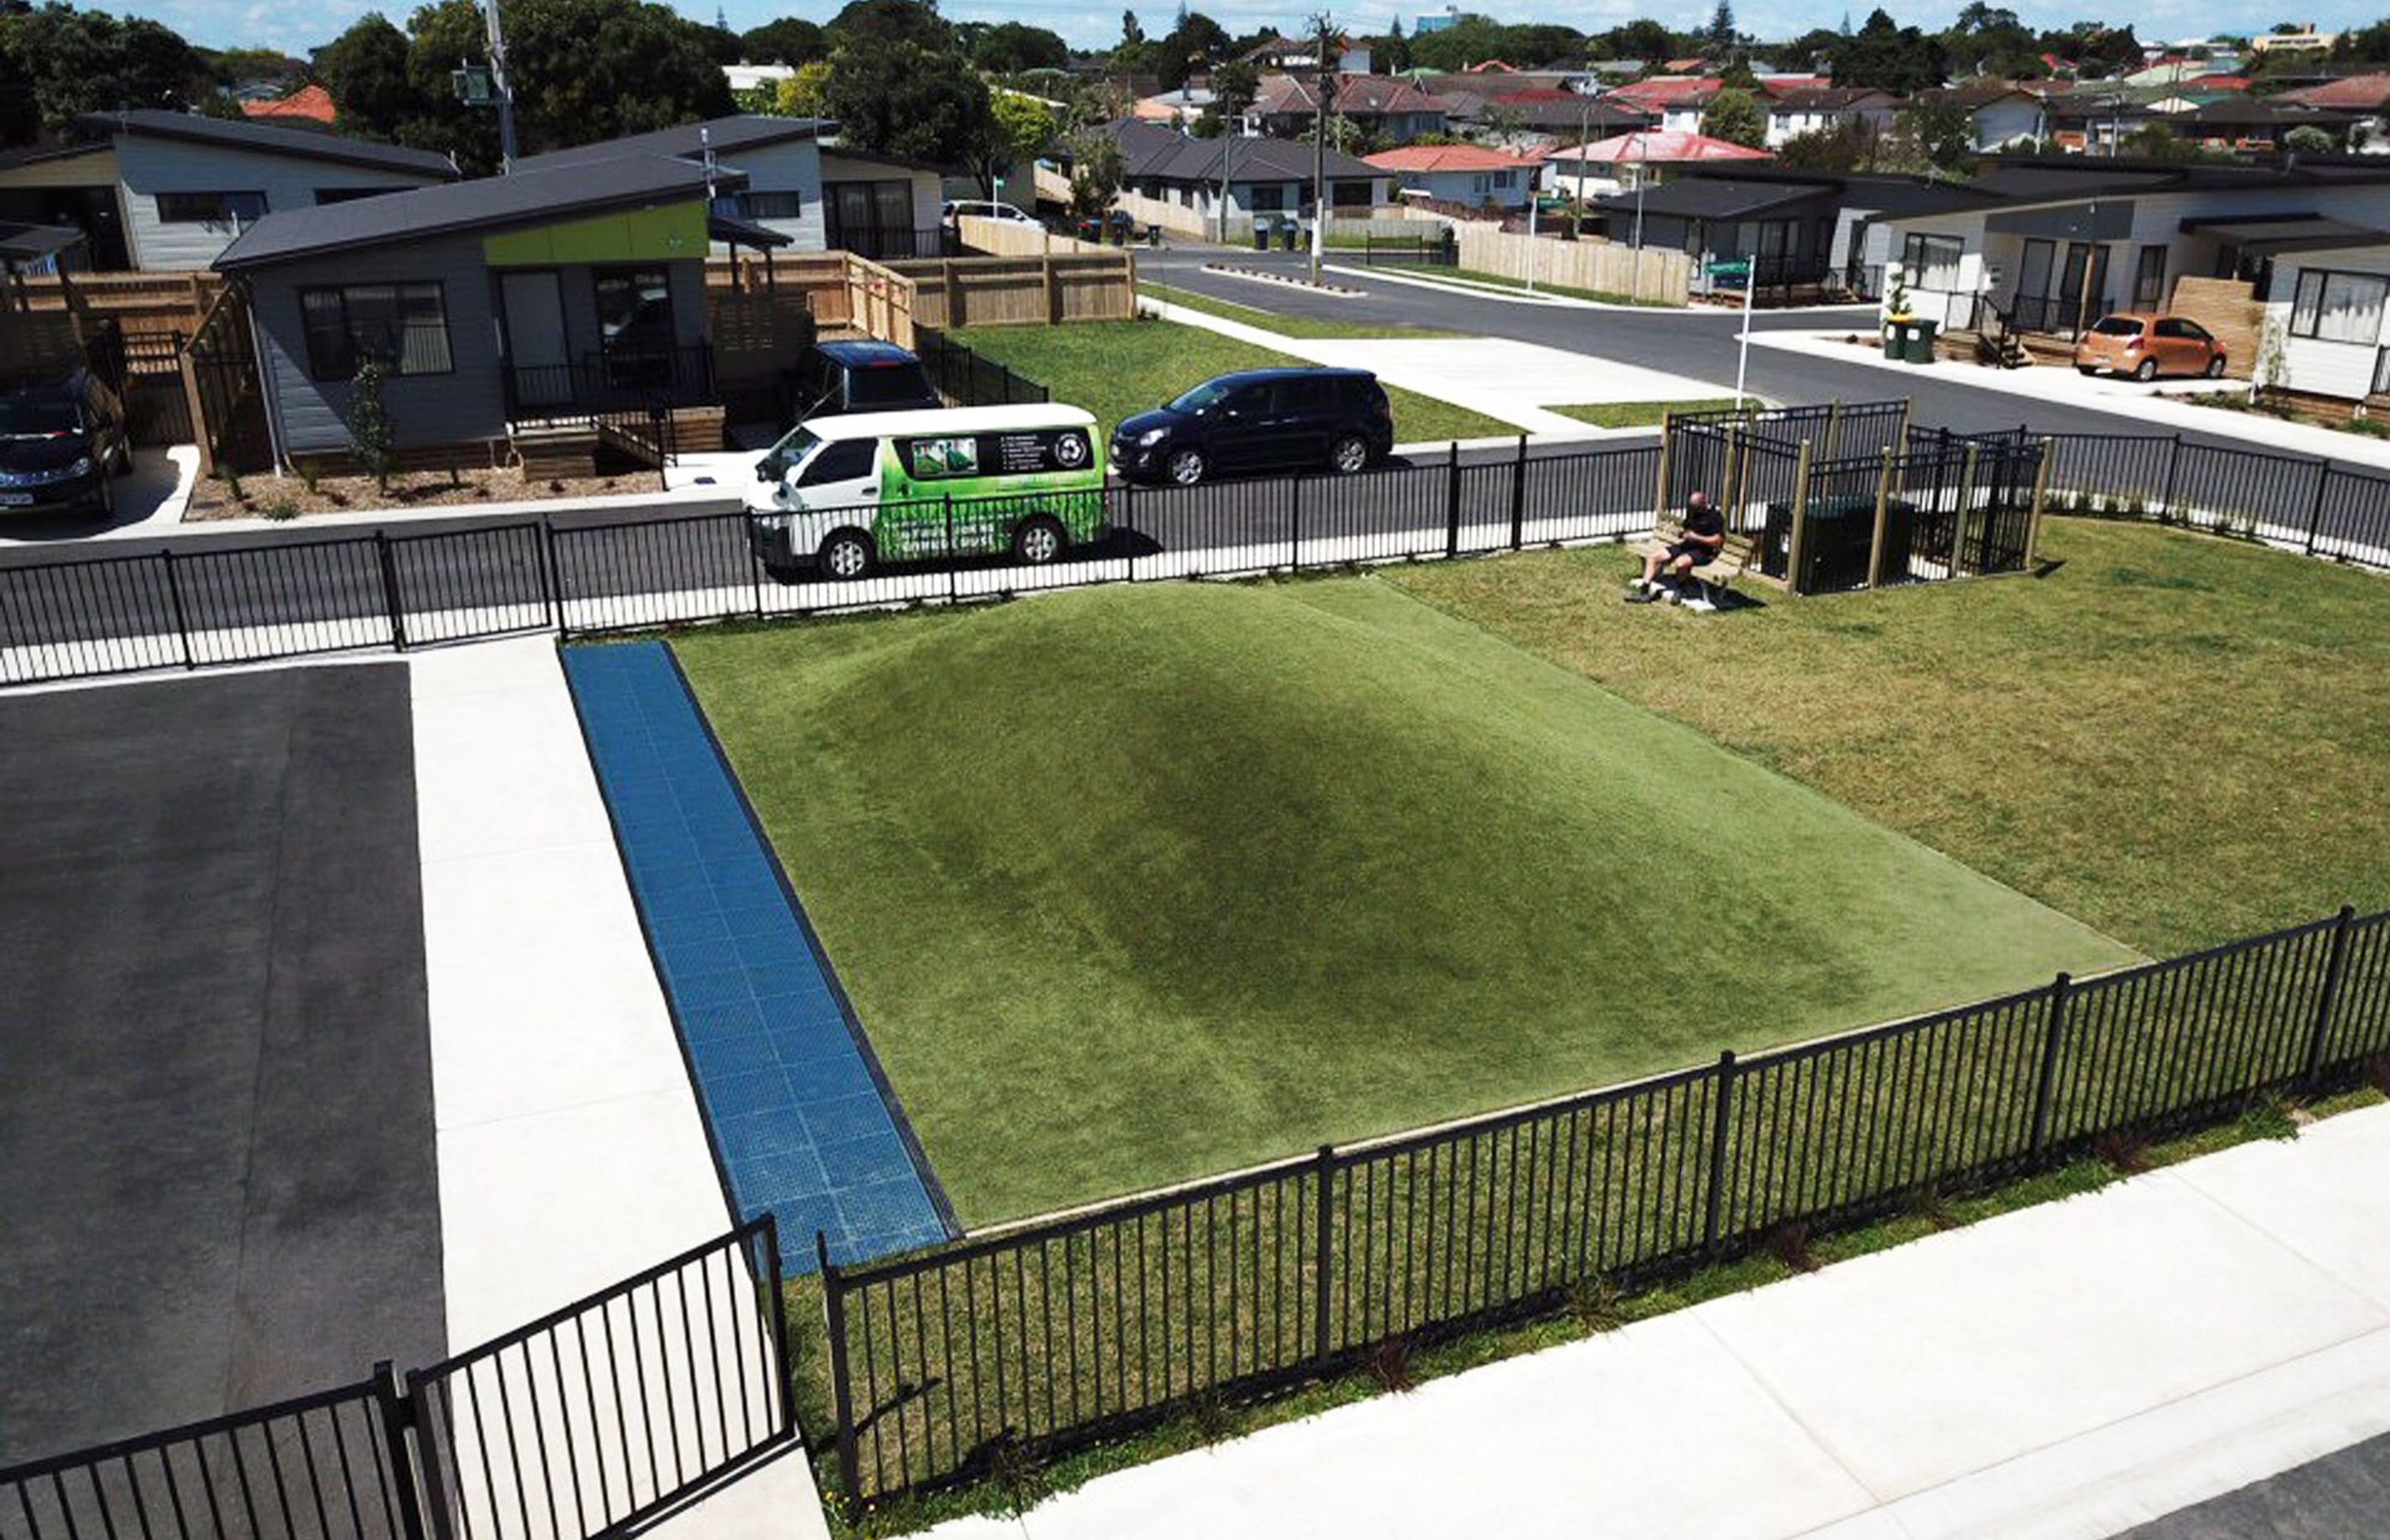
(2341,1496)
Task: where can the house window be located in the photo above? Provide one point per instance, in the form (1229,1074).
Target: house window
(761,205)
(2382,372)
(402,325)
(634,312)
(1502,179)
(2339,307)
(1478,185)
(235,209)
(1931,262)
(1268,197)
(2149,278)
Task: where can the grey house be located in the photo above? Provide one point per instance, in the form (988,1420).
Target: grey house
(547,295)
(167,191)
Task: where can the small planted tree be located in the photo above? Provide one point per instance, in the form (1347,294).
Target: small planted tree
(370,435)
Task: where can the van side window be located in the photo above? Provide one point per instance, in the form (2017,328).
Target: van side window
(844,461)
(1306,395)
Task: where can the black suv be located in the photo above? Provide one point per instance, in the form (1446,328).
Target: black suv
(1259,418)
(62,445)
(838,378)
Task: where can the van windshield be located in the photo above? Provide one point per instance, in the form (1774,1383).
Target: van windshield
(1209,393)
(798,443)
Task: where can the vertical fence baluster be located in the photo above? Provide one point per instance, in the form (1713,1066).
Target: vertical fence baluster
(1452,501)
(1323,1247)
(841,1391)
(1721,1126)
(1519,495)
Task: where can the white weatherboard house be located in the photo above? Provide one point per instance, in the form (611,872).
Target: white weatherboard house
(2056,243)
(2330,302)
(167,191)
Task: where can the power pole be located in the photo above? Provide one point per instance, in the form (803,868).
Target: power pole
(1323,28)
(502,83)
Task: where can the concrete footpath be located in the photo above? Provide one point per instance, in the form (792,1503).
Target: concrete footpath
(2070,1371)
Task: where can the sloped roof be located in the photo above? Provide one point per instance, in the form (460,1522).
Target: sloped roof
(1149,151)
(1356,96)
(1659,145)
(1435,157)
(725,135)
(265,139)
(485,203)
(311,103)
(1829,98)
(1667,90)
(1719,198)
(2350,93)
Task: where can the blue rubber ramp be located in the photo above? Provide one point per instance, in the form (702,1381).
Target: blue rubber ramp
(803,1122)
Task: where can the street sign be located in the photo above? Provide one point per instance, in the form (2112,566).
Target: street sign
(1738,268)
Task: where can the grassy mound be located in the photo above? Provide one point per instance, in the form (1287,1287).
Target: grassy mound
(1131,885)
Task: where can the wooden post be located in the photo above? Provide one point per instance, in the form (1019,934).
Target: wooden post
(1834,432)
(1966,506)
(1883,511)
(1053,292)
(2040,502)
(1800,521)
(1660,491)
(953,316)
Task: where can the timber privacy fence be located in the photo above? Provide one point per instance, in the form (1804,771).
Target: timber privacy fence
(273,598)
(583,1423)
(1042,1338)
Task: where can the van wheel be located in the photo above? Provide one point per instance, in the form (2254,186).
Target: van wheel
(1348,454)
(2146,370)
(1039,541)
(1185,467)
(845,556)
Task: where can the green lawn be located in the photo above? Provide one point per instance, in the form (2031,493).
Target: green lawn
(1639,414)
(1285,326)
(1118,368)
(2179,738)
(1132,885)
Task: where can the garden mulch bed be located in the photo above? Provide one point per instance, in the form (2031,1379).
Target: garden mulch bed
(290,497)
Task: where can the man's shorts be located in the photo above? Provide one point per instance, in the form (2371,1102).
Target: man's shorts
(1702,555)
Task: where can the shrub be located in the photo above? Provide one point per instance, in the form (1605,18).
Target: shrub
(370,434)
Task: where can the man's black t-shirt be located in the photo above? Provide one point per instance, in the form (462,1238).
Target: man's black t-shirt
(1705,521)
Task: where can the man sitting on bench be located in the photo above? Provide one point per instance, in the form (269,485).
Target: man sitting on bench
(1704,537)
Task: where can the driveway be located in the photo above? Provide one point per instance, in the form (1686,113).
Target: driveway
(215,1097)
(149,500)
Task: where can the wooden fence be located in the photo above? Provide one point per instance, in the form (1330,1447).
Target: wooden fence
(1010,237)
(1652,275)
(996,291)
(138,301)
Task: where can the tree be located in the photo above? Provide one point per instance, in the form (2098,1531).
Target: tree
(1234,86)
(1736,116)
(1010,47)
(1641,39)
(1720,34)
(1888,56)
(2307,139)
(804,93)
(1847,147)
(365,68)
(59,63)
(1194,44)
(1024,130)
(1096,172)
(371,437)
(919,104)
(791,40)
(1940,132)
(590,70)
(891,21)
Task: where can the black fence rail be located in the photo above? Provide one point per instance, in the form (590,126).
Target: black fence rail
(1050,1337)
(579,1425)
(2320,507)
(966,379)
(1418,251)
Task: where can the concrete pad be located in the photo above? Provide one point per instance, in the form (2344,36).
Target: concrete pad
(149,501)
(1921,1364)
(2325,1195)
(772,1502)
(1650,1430)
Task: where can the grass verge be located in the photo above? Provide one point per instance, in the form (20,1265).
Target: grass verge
(1639,414)
(1286,326)
(1136,885)
(1593,1311)
(2177,739)
(1119,368)
(1470,280)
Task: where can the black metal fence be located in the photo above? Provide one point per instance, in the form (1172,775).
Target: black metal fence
(1414,251)
(578,1425)
(616,380)
(966,379)
(1056,1335)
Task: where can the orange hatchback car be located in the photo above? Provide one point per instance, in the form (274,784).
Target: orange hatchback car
(2146,346)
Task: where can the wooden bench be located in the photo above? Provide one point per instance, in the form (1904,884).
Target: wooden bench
(1734,559)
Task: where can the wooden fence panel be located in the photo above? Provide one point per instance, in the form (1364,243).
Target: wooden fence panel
(1652,275)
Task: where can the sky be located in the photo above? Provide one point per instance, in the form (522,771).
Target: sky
(295,26)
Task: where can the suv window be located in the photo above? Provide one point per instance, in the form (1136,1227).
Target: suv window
(846,460)
(1306,395)
(882,384)
(1245,401)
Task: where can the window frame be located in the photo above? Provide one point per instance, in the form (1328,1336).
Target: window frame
(2310,302)
(1912,270)
(225,214)
(323,371)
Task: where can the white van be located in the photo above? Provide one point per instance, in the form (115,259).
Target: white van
(979,208)
(844,494)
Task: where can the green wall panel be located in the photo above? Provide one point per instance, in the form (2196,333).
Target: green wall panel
(674,230)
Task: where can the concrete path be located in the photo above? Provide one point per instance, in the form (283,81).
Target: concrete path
(2067,1371)
(570,1154)
(1516,381)
(2049,385)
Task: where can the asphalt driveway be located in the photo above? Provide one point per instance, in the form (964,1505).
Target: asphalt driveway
(216,1158)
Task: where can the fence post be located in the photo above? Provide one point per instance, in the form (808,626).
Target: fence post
(1834,431)
(389,590)
(1667,444)
(1720,1121)
(439,1516)
(780,1323)
(2045,1083)
(1519,496)
(2173,466)
(1452,501)
(2040,502)
(1323,1250)
(2315,509)
(174,601)
(841,1393)
(551,576)
(2335,966)
(1964,507)
(1795,580)
(1882,515)
(1294,523)
(396,1418)
(954,566)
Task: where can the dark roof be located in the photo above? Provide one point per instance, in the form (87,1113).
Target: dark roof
(1591,114)
(727,136)
(1719,197)
(2270,234)
(487,203)
(266,139)
(33,242)
(2264,111)
(50,153)
(1825,98)
(733,231)
(1153,152)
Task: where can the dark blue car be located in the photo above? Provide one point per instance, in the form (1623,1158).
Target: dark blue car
(1260,419)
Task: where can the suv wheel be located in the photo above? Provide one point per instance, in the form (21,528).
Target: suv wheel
(1039,541)
(845,556)
(1185,467)
(1349,454)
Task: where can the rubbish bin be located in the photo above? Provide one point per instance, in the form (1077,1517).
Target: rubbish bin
(1919,348)
(1261,235)
(1895,338)
(1286,231)
(1153,237)
(1833,545)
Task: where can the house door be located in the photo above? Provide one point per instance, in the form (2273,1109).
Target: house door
(532,307)
(2031,303)
(2075,292)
